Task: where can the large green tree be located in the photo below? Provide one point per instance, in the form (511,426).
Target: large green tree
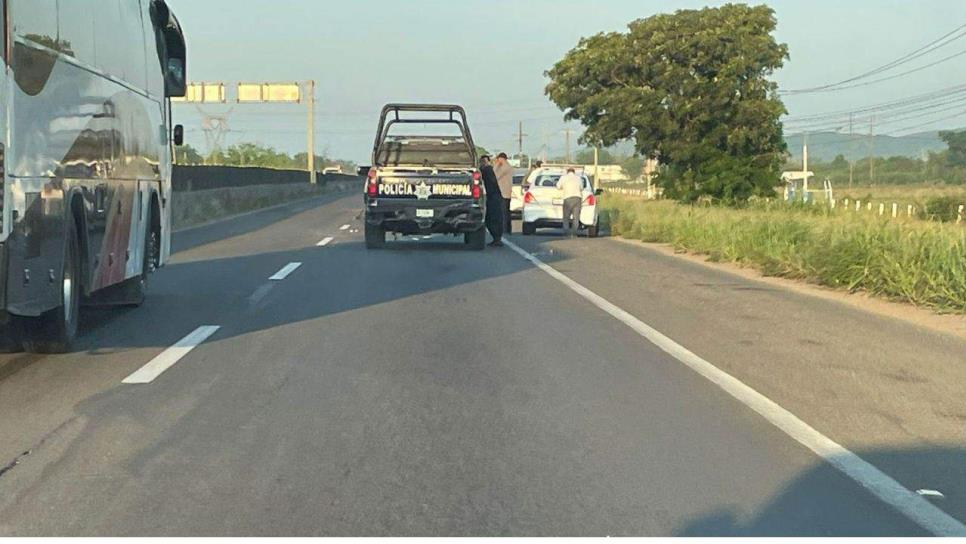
(956,140)
(691,88)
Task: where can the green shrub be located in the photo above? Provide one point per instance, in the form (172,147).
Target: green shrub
(943,208)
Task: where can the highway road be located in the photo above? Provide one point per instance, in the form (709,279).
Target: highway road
(555,387)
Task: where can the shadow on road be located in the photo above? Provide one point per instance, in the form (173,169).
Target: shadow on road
(801,509)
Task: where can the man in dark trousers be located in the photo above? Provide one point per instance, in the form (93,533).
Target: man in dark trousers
(504,177)
(494,202)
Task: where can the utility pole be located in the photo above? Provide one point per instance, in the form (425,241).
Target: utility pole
(872,151)
(520,136)
(310,100)
(805,167)
(596,166)
(851,148)
(567,132)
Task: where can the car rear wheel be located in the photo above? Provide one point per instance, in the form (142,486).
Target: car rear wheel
(476,240)
(529,229)
(375,237)
(54,331)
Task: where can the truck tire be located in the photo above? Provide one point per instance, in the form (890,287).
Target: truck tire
(476,240)
(592,231)
(529,229)
(375,237)
(54,331)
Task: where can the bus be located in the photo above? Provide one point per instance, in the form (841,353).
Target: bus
(85,159)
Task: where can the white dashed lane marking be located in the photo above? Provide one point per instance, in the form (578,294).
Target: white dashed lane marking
(344,227)
(285,271)
(325,242)
(149,372)
(880,484)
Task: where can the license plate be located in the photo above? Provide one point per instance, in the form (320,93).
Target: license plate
(424,213)
(558,202)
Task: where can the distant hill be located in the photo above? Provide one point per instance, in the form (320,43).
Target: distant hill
(824,146)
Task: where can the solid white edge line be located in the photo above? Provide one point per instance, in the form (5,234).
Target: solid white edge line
(285,271)
(167,358)
(344,227)
(883,486)
(325,242)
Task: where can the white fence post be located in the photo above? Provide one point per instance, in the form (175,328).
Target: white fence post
(881,209)
(959,217)
(870,206)
(858,205)
(909,210)
(895,210)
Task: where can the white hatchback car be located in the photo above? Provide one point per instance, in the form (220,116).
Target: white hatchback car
(543,202)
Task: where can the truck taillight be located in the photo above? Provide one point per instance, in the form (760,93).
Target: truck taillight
(477,191)
(372,183)
(476,176)
(591,200)
(529,198)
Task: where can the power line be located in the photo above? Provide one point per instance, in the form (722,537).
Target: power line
(935,45)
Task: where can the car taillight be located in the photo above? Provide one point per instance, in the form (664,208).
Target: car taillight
(529,198)
(477,191)
(591,200)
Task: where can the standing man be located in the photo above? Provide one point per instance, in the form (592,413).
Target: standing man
(494,202)
(504,176)
(571,188)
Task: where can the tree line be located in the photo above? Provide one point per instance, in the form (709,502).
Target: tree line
(255,155)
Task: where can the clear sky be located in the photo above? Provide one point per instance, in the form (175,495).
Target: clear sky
(490,56)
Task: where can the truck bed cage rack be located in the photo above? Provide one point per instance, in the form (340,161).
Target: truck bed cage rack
(454,111)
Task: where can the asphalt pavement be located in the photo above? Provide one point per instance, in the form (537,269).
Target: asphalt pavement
(429,390)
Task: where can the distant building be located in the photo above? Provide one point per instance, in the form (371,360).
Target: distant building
(606,173)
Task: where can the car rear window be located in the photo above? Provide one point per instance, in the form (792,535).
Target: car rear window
(550,180)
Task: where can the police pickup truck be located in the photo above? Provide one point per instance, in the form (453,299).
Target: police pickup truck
(424,184)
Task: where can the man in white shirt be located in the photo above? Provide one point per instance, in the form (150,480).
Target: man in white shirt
(571,187)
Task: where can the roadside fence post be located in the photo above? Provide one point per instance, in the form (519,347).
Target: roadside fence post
(881,209)
(895,210)
(959,217)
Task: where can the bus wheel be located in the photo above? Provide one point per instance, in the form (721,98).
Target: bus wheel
(54,332)
(139,285)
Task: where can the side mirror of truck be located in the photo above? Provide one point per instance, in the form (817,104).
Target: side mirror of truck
(178,135)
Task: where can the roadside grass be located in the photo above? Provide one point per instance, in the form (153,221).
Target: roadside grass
(919,262)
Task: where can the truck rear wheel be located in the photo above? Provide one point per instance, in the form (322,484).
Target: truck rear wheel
(54,331)
(529,229)
(375,237)
(476,240)
(592,231)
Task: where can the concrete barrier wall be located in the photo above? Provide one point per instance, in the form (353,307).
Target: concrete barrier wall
(202,178)
(203,194)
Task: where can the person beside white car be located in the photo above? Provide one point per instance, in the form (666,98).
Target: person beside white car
(543,200)
(571,191)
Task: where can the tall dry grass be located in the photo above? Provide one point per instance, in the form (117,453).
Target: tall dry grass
(913,261)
